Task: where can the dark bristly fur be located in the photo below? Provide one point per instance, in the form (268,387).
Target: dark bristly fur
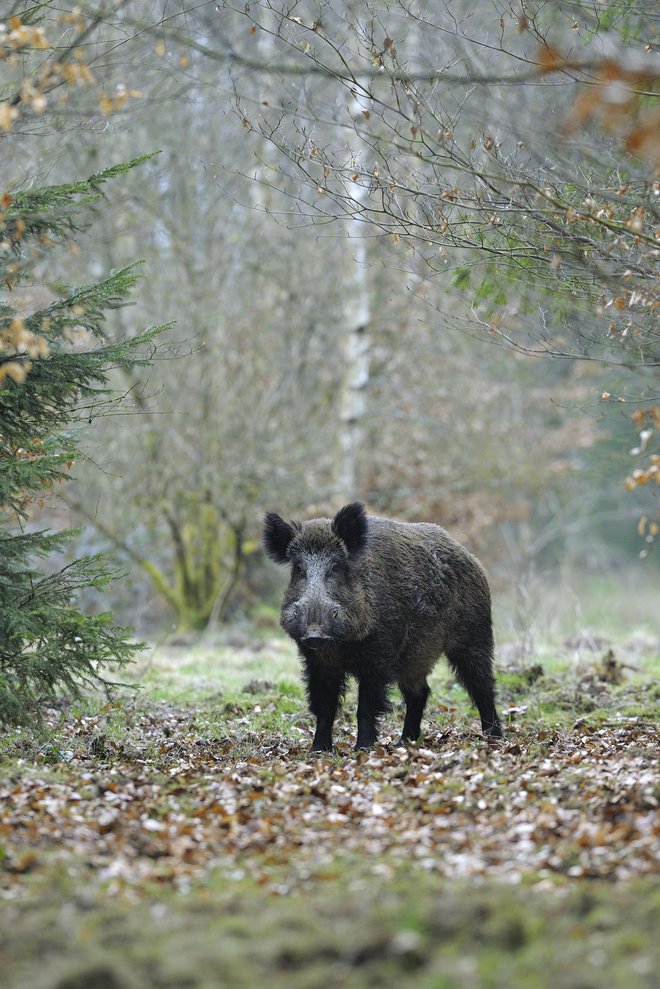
(381,601)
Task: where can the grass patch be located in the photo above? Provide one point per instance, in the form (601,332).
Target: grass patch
(350,931)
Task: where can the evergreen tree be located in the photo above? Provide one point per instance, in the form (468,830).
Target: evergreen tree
(54,376)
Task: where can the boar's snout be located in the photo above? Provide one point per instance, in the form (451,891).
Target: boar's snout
(314,636)
(313,625)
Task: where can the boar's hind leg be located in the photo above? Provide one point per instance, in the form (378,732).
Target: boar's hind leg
(473,665)
(415,698)
(325,689)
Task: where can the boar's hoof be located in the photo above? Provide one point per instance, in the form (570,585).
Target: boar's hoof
(321,747)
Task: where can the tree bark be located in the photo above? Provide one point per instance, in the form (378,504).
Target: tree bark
(355,331)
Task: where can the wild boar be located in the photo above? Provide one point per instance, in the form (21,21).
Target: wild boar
(381,601)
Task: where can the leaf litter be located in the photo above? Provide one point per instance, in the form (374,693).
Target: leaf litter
(154,844)
(176,793)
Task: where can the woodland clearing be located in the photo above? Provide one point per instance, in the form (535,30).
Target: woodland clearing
(183,834)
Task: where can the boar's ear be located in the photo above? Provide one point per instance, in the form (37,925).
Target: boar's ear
(277,536)
(350,524)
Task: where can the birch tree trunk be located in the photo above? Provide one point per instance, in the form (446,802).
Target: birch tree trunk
(355,330)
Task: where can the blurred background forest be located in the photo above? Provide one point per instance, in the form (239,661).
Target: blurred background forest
(409,252)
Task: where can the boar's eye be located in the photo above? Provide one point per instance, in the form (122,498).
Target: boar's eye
(296,570)
(335,612)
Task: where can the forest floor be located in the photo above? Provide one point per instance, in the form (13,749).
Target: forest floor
(183,835)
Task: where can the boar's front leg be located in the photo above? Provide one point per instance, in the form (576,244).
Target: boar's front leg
(325,688)
(372,702)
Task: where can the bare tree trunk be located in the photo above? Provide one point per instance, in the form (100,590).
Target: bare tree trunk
(262,193)
(355,331)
